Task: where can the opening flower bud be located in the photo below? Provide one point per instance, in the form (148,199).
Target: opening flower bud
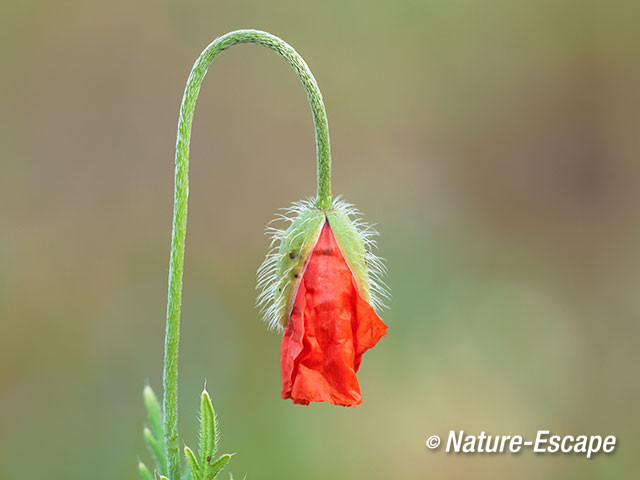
(321,284)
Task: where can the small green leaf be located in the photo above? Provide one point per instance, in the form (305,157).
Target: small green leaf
(156,449)
(218,465)
(193,463)
(186,475)
(144,471)
(208,434)
(154,413)
(154,435)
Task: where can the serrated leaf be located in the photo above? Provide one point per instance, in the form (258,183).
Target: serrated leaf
(217,466)
(144,471)
(194,468)
(157,450)
(208,433)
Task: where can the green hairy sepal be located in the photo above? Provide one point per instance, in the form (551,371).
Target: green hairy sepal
(280,274)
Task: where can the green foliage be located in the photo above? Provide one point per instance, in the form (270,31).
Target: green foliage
(154,414)
(204,469)
(154,434)
(144,471)
(207,468)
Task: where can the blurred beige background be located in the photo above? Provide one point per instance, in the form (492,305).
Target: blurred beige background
(494,143)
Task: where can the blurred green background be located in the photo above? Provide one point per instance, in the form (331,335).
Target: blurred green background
(494,143)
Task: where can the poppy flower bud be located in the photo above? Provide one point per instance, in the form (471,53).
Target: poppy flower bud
(321,284)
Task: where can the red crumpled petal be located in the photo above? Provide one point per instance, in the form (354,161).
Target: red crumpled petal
(331,327)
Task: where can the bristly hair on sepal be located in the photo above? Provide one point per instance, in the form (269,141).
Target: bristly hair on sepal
(291,246)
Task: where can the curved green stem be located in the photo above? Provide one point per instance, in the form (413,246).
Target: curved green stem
(170,397)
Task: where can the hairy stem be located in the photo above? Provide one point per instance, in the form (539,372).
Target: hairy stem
(170,394)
